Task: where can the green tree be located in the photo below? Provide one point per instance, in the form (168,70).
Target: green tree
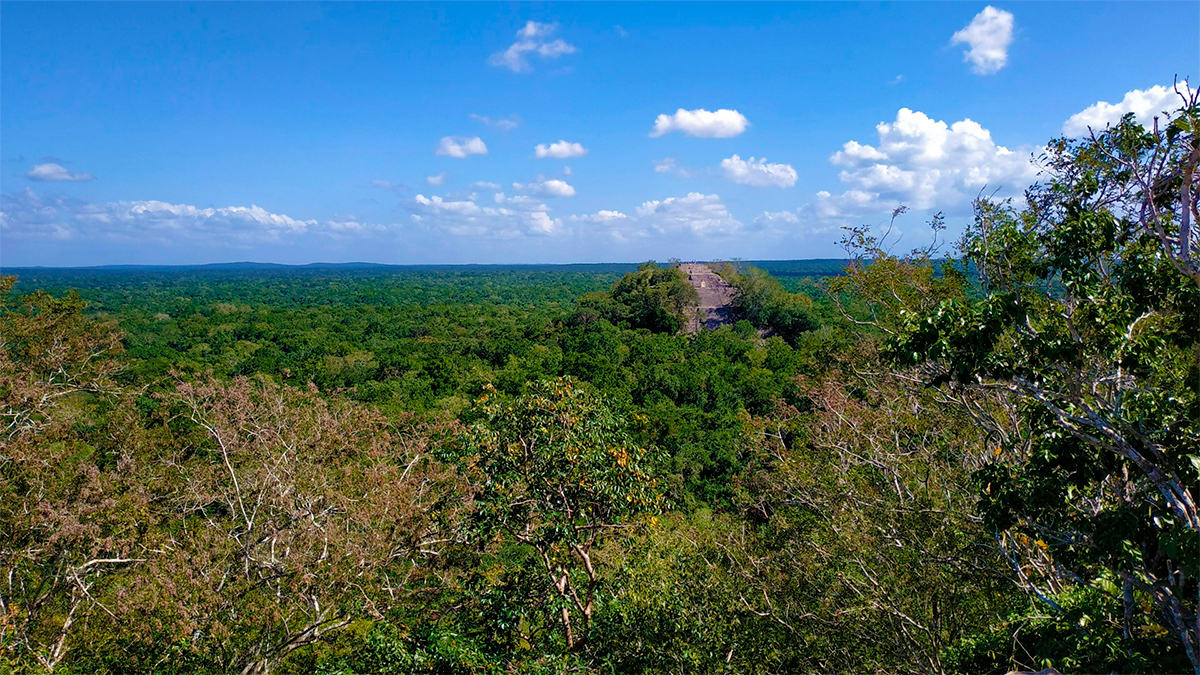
(656,298)
(1088,328)
(557,472)
(764,302)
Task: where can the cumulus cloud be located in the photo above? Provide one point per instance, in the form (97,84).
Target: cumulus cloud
(504,124)
(926,163)
(616,225)
(55,172)
(461,146)
(546,188)
(697,214)
(1144,104)
(804,221)
(532,40)
(560,150)
(438,204)
(777,222)
(758,173)
(827,212)
(437,179)
(988,35)
(723,123)
(504,217)
(602,216)
(30,215)
(853,151)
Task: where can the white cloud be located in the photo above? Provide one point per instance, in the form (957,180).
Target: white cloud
(1144,104)
(348,225)
(917,161)
(697,213)
(853,152)
(603,216)
(546,188)
(988,35)
(826,213)
(758,173)
(553,50)
(31,215)
(560,150)
(531,40)
(618,226)
(723,123)
(828,210)
(440,205)
(789,217)
(504,218)
(777,222)
(55,172)
(437,179)
(534,30)
(927,163)
(668,165)
(504,124)
(461,146)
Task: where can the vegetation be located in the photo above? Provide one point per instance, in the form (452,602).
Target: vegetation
(763,301)
(655,298)
(969,463)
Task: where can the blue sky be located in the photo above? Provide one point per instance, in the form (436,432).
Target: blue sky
(166,133)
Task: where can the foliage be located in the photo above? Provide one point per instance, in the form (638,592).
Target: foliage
(296,512)
(211,526)
(67,501)
(213,470)
(1087,327)
(764,302)
(557,472)
(690,596)
(655,298)
(878,555)
(1087,633)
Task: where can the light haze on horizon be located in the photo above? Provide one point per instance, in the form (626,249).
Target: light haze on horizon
(163,133)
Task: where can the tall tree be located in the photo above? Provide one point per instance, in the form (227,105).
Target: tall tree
(557,472)
(67,501)
(1088,325)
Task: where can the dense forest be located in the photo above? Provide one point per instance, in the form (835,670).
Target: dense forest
(971,458)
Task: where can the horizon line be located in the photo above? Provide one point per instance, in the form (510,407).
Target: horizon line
(375,264)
